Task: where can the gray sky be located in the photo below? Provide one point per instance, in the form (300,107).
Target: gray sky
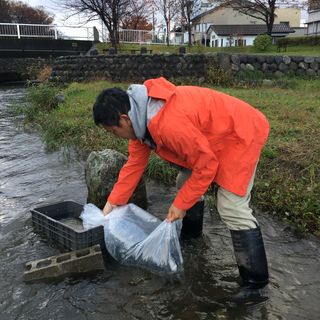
(51,7)
(60,17)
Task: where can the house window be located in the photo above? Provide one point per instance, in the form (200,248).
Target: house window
(244,42)
(221,43)
(287,23)
(216,43)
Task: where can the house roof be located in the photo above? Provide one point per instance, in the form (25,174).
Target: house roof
(248,29)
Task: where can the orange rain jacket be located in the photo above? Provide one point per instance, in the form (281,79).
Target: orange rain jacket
(217,136)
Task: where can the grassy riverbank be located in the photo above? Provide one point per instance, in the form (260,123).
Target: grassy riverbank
(291,50)
(287,182)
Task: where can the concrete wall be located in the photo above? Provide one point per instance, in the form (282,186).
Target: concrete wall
(140,67)
(299,32)
(17,69)
(38,47)
(291,15)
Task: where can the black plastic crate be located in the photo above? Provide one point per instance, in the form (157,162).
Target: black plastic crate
(48,220)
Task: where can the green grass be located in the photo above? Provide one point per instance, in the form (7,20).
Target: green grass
(288,179)
(287,182)
(305,50)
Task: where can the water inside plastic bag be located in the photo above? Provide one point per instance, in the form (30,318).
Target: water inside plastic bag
(135,237)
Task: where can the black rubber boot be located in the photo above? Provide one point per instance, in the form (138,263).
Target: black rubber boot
(193,221)
(252,263)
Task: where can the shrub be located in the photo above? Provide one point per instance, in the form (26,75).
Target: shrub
(262,42)
(298,41)
(215,75)
(43,97)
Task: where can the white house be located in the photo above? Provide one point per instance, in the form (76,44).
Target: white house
(314,18)
(241,34)
(222,15)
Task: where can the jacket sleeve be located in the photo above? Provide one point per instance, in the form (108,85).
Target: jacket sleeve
(131,173)
(191,146)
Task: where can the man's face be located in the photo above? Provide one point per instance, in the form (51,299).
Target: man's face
(124,130)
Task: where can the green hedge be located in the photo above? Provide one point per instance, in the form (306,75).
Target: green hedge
(296,41)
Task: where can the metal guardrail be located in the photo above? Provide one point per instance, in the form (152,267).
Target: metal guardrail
(87,33)
(45,31)
(150,37)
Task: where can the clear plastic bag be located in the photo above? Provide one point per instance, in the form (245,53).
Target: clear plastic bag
(92,217)
(135,237)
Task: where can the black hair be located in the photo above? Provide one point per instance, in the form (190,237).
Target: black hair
(109,105)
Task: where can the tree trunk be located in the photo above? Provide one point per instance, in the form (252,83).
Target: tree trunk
(270,23)
(269,28)
(270,19)
(189,25)
(189,37)
(168,32)
(113,39)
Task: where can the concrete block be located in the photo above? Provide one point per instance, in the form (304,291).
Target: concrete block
(74,262)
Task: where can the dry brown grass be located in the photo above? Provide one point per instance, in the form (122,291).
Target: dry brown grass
(44,74)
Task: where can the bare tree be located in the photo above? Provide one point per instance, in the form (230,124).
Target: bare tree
(109,11)
(188,7)
(261,9)
(168,9)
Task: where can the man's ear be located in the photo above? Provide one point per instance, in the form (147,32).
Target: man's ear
(124,118)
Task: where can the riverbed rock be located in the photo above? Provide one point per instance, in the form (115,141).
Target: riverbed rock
(267,83)
(286,60)
(101,173)
(249,67)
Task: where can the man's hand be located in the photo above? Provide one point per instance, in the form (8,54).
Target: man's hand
(175,213)
(108,208)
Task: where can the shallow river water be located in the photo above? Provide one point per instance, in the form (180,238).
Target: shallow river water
(30,177)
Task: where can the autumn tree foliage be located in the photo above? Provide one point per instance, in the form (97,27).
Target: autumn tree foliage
(19,12)
(137,23)
(137,16)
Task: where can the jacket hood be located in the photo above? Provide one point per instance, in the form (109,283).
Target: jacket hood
(138,97)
